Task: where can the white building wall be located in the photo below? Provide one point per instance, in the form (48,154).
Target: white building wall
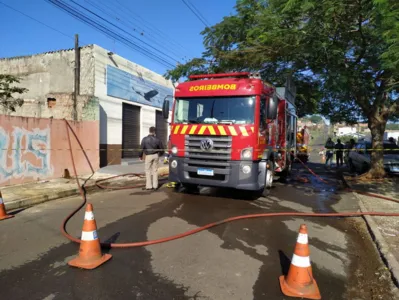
(147,120)
(110,122)
(111,107)
(394,134)
(346,130)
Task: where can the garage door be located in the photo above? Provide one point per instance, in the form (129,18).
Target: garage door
(130,130)
(161,126)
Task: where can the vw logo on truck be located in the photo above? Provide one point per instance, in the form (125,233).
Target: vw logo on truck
(206,144)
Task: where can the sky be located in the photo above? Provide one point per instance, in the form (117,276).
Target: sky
(168,26)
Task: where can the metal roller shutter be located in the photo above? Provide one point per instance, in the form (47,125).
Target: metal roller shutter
(161,126)
(130,130)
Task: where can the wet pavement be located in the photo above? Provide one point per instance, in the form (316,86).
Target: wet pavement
(239,260)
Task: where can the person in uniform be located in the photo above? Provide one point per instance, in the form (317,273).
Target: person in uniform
(152,149)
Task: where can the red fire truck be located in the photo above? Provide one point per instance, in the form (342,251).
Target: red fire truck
(231,130)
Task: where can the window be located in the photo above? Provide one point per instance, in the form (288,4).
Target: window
(262,118)
(215,110)
(291,130)
(200,110)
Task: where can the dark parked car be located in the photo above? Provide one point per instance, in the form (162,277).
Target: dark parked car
(359,158)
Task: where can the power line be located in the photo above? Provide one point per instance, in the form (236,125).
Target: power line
(36,20)
(54,29)
(133,26)
(155,29)
(112,34)
(203,21)
(126,32)
(198,11)
(109,32)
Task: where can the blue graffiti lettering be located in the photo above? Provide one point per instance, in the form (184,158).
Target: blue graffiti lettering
(4,142)
(44,168)
(18,165)
(36,142)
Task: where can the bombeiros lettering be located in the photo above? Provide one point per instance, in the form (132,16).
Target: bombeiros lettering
(213,87)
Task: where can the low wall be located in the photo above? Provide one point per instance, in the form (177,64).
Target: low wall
(33,149)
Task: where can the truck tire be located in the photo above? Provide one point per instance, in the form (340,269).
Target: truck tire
(268,179)
(286,172)
(190,188)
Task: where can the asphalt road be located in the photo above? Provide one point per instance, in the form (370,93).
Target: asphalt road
(240,260)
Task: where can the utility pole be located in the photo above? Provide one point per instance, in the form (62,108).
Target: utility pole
(76,79)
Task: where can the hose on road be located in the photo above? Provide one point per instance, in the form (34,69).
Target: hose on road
(190,232)
(348,189)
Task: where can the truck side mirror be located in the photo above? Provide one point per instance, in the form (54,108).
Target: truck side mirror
(272,105)
(165,109)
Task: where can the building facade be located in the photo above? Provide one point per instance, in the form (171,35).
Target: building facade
(123,97)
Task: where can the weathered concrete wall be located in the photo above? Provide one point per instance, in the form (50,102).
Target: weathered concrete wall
(33,149)
(51,75)
(62,108)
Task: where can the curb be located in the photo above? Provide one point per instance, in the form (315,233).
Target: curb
(31,201)
(382,246)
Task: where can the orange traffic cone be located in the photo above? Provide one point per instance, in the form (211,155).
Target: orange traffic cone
(3,212)
(300,282)
(90,255)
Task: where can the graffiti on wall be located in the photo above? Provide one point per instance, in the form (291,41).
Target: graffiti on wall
(25,153)
(124,85)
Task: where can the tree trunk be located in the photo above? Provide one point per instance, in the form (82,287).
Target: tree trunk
(377,127)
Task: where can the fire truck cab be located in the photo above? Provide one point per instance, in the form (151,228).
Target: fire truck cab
(229,130)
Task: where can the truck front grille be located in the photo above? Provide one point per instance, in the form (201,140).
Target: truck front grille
(221,148)
(217,158)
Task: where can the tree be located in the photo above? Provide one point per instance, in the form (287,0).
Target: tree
(342,54)
(7,90)
(316,119)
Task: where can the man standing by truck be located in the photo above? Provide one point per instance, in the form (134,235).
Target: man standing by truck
(339,153)
(152,148)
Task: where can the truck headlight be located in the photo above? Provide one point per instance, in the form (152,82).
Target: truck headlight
(173,164)
(174,150)
(246,169)
(246,153)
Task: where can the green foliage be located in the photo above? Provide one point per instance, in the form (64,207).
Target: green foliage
(343,55)
(392,126)
(389,22)
(7,90)
(316,119)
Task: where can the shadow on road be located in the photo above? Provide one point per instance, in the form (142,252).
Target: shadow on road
(285,262)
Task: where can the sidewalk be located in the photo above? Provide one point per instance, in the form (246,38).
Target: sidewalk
(127,167)
(385,230)
(29,194)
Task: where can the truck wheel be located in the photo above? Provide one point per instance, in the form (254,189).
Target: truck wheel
(268,179)
(286,173)
(190,188)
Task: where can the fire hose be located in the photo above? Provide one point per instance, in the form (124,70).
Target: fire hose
(348,189)
(190,232)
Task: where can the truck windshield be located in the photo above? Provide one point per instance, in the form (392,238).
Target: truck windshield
(215,110)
